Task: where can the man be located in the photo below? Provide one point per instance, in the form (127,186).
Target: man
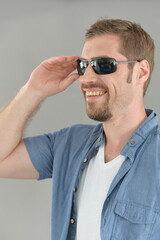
(105,177)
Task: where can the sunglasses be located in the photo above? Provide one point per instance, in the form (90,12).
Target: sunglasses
(100,65)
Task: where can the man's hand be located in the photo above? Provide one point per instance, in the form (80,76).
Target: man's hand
(49,78)
(53,75)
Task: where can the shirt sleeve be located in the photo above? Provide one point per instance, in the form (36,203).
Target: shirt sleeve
(40,150)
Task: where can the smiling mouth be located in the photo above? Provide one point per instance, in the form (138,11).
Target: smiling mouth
(92,96)
(94,93)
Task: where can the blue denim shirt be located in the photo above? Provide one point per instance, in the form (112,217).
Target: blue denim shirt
(131,210)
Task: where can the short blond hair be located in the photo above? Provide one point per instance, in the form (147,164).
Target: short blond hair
(136,42)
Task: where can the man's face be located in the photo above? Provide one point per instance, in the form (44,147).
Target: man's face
(107,96)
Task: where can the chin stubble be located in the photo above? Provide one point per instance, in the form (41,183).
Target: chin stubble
(101,114)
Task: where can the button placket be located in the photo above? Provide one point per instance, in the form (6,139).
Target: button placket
(85,160)
(72,221)
(74,189)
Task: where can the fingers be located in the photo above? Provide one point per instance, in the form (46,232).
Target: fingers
(72,65)
(62,59)
(61,63)
(69,80)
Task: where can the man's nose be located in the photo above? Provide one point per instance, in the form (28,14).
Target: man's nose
(89,75)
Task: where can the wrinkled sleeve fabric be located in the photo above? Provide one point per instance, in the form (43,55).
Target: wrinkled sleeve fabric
(54,152)
(41,152)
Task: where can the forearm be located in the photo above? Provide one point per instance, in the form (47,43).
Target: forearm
(13,118)
(49,78)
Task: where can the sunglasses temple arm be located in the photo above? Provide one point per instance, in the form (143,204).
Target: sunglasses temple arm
(120,62)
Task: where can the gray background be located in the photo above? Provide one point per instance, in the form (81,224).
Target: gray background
(31,31)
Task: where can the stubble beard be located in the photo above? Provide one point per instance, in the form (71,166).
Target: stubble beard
(100,114)
(103,113)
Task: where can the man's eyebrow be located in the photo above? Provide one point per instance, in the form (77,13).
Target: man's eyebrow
(102,56)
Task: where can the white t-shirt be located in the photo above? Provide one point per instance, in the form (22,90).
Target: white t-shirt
(91,194)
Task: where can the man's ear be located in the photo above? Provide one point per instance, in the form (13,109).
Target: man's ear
(143,71)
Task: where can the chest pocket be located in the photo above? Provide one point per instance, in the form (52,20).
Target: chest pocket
(133,221)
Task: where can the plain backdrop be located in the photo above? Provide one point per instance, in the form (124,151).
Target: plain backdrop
(34,30)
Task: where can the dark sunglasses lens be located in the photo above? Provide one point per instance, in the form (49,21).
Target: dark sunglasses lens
(104,65)
(81,66)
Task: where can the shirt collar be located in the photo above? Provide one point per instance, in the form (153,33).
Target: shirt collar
(145,129)
(129,150)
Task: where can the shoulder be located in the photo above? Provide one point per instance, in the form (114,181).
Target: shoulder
(153,139)
(78,133)
(156,133)
(79,130)
(75,136)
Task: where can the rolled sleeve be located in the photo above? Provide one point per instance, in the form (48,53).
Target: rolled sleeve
(40,150)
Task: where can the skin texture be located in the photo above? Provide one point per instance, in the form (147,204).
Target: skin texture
(121,108)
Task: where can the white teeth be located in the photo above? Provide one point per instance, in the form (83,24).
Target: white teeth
(98,93)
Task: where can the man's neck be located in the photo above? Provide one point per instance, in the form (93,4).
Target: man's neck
(120,129)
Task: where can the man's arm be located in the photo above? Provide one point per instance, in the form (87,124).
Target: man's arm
(49,78)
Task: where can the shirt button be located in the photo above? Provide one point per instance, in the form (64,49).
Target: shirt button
(85,160)
(99,139)
(74,189)
(108,199)
(132,142)
(72,221)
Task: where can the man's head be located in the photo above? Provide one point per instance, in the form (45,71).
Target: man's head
(123,41)
(135,42)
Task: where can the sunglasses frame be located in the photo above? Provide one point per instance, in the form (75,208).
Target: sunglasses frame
(94,61)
